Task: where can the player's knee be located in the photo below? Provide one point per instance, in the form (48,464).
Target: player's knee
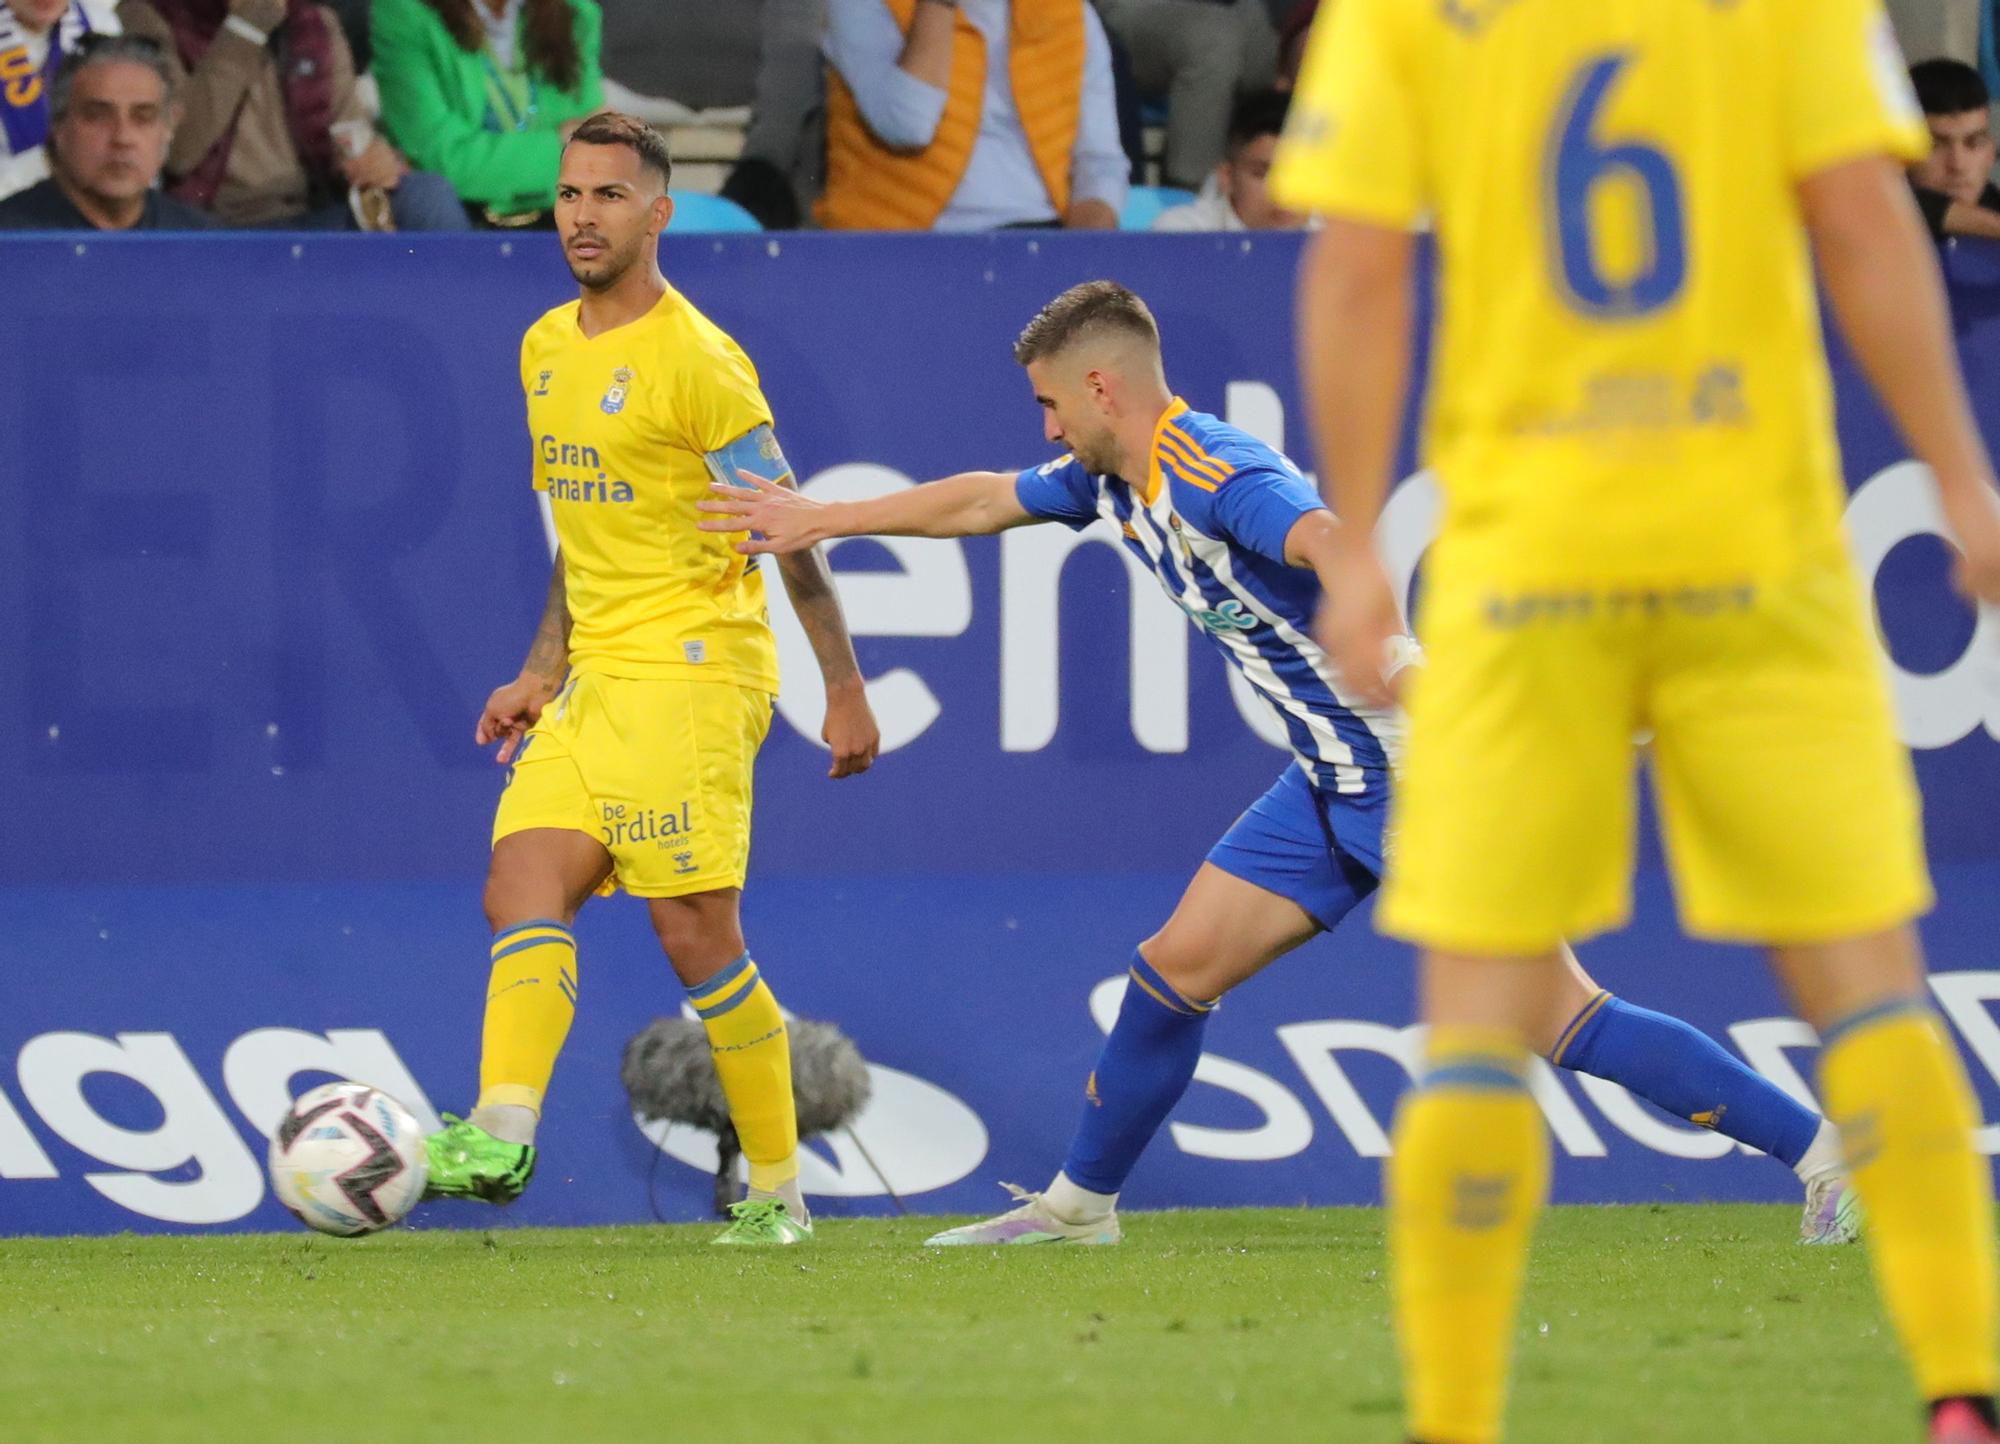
(697,933)
(1191,971)
(512,896)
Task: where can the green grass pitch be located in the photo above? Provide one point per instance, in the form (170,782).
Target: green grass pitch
(1698,1325)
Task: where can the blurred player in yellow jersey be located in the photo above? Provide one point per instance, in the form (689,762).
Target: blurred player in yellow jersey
(634,724)
(1631,421)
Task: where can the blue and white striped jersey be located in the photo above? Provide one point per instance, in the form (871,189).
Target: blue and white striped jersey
(1210,522)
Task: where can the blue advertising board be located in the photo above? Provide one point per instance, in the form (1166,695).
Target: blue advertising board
(271,542)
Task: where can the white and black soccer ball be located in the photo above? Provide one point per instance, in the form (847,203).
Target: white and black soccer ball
(348,1159)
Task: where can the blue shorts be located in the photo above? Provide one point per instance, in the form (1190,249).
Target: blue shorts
(1321,850)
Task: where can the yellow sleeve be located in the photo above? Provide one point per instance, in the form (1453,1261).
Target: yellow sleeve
(1847,90)
(1352,144)
(719,397)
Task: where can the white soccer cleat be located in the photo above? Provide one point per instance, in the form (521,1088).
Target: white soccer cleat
(1833,1211)
(1032,1222)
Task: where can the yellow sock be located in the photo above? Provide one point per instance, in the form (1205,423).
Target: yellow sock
(1467,1177)
(753,1060)
(1893,1083)
(530,1002)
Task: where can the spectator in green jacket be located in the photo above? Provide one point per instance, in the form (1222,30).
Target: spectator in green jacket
(486,92)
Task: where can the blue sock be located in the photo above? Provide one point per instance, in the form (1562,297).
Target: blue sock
(1142,1072)
(1687,1073)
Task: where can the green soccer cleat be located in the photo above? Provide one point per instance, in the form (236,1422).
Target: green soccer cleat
(468,1162)
(763,1223)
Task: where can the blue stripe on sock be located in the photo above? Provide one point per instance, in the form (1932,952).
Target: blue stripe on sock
(565,941)
(1481,1077)
(506,933)
(1879,1013)
(1166,991)
(729,1005)
(720,981)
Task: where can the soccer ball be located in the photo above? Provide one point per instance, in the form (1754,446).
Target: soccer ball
(348,1159)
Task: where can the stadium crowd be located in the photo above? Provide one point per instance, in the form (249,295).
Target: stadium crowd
(949,115)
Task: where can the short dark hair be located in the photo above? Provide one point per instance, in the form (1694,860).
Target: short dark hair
(1256,115)
(1949,87)
(106,48)
(1091,309)
(609,127)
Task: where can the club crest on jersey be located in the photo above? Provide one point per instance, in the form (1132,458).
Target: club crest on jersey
(1187,551)
(542,383)
(1473,15)
(614,399)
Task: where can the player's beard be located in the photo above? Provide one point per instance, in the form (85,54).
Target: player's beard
(1097,454)
(606,271)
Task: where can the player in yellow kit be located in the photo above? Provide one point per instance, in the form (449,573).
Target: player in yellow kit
(1631,421)
(634,724)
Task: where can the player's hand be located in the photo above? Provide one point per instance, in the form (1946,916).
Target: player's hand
(510,712)
(786,521)
(850,729)
(1973,515)
(1359,627)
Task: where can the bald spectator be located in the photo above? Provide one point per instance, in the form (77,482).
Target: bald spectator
(970,116)
(111,116)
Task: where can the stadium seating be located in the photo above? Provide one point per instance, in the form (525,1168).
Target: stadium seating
(694,211)
(1142,203)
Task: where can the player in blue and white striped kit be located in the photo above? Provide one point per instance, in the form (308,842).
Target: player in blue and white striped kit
(1241,542)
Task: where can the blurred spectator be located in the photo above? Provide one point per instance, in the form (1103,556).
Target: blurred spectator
(354,25)
(668,64)
(1293,32)
(1234,198)
(783,164)
(487,91)
(1953,184)
(1199,54)
(969,116)
(111,117)
(35,35)
(272,132)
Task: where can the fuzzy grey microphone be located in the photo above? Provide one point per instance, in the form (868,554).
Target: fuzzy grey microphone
(669,1075)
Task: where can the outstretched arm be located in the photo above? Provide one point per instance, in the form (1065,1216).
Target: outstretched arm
(1881,271)
(973,503)
(516,707)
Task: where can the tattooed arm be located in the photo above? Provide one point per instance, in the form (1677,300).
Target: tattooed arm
(850,728)
(514,708)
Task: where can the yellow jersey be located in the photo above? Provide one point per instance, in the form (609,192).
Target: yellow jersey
(621,424)
(1629,382)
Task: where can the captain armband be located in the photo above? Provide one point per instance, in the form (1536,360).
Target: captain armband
(755,451)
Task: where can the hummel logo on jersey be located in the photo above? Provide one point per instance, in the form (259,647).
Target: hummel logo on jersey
(542,383)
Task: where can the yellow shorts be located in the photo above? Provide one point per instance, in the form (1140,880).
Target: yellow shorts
(658,770)
(1786,798)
